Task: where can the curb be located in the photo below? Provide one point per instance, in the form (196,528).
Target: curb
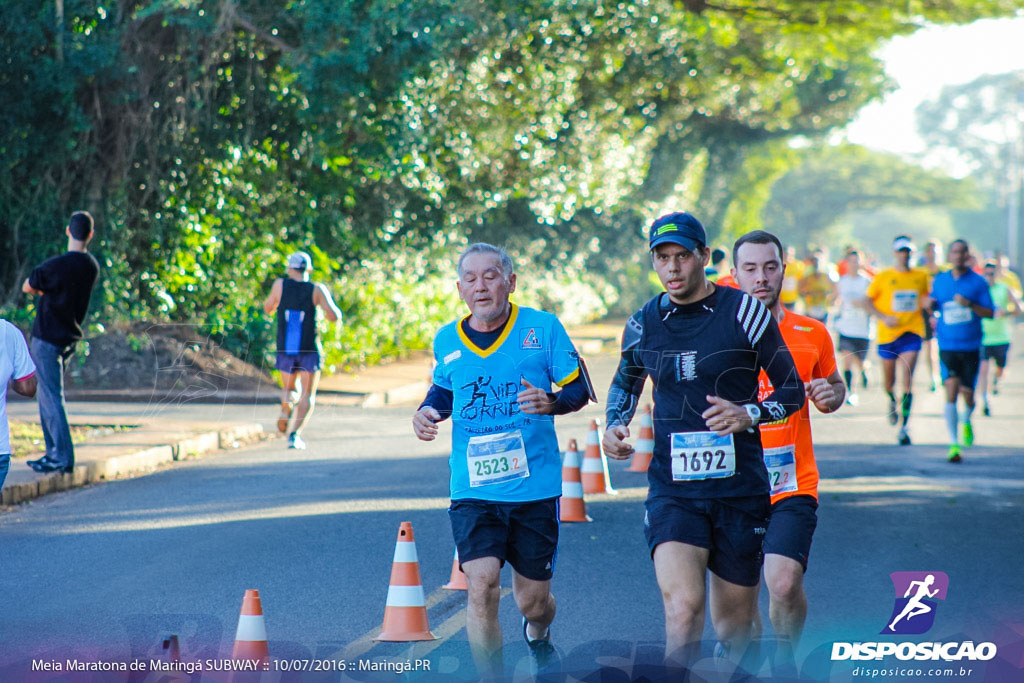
(133,464)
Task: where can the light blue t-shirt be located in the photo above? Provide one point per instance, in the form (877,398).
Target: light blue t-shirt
(498,452)
(958,327)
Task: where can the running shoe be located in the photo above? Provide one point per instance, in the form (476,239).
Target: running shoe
(893,416)
(954,454)
(904,437)
(285,416)
(295,441)
(852,399)
(968,434)
(541,649)
(985,411)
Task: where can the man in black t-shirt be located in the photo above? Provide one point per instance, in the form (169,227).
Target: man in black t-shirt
(64,284)
(703,347)
(296,299)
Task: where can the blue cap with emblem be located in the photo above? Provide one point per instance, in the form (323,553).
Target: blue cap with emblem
(679,228)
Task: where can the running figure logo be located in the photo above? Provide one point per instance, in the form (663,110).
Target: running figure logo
(916,599)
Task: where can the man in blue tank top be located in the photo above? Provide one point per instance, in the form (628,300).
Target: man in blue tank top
(703,346)
(296,299)
(493,371)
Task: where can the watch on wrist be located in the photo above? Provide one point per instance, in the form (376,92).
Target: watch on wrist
(754,412)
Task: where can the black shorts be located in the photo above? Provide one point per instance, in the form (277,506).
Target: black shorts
(961,365)
(996,352)
(731,528)
(854,345)
(524,534)
(791,527)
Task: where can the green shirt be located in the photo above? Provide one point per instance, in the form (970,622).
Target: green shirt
(996,331)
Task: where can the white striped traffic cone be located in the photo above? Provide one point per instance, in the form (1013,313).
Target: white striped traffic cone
(595,468)
(645,444)
(405,614)
(457,581)
(571,507)
(251,635)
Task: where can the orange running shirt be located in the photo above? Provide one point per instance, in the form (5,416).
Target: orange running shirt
(789,453)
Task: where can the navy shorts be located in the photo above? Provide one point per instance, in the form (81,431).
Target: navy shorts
(908,341)
(308,361)
(524,534)
(854,345)
(961,365)
(732,529)
(996,352)
(791,527)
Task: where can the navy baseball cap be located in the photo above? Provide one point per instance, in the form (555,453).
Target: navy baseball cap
(678,228)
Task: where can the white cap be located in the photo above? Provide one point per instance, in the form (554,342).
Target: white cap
(903,243)
(300,260)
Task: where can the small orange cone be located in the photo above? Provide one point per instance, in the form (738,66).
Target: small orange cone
(571,507)
(595,467)
(251,636)
(645,444)
(457,582)
(405,614)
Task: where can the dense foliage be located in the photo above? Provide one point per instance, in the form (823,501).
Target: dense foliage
(211,137)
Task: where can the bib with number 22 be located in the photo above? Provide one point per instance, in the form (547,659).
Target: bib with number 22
(781,464)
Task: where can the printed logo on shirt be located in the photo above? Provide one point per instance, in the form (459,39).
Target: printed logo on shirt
(686,366)
(775,410)
(532,339)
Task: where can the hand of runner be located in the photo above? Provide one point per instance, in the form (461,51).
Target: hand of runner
(821,394)
(614,444)
(534,401)
(891,320)
(962,300)
(424,423)
(725,417)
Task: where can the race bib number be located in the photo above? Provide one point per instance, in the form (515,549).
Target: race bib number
(904,301)
(955,314)
(702,455)
(781,464)
(496,458)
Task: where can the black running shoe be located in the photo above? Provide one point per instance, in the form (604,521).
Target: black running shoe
(541,649)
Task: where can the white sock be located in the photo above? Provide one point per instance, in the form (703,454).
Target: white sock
(965,414)
(951,424)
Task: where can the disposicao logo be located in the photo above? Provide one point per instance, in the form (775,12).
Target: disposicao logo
(913,613)
(916,600)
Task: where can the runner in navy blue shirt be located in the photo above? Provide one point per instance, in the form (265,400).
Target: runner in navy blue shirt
(961,298)
(703,347)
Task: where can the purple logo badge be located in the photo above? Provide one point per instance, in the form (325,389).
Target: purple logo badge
(917,594)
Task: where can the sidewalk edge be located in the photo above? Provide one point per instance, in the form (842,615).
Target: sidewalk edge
(133,464)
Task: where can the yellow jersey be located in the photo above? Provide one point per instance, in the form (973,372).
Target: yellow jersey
(901,295)
(791,282)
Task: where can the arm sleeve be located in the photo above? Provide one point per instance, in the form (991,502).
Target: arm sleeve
(788,396)
(571,398)
(440,399)
(628,382)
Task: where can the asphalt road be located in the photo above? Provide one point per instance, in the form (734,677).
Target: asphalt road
(105,573)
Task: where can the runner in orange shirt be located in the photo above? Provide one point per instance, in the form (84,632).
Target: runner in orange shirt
(788,451)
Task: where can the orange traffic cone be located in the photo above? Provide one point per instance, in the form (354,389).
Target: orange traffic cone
(405,614)
(595,467)
(251,636)
(645,444)
(571,507)
(457,582)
